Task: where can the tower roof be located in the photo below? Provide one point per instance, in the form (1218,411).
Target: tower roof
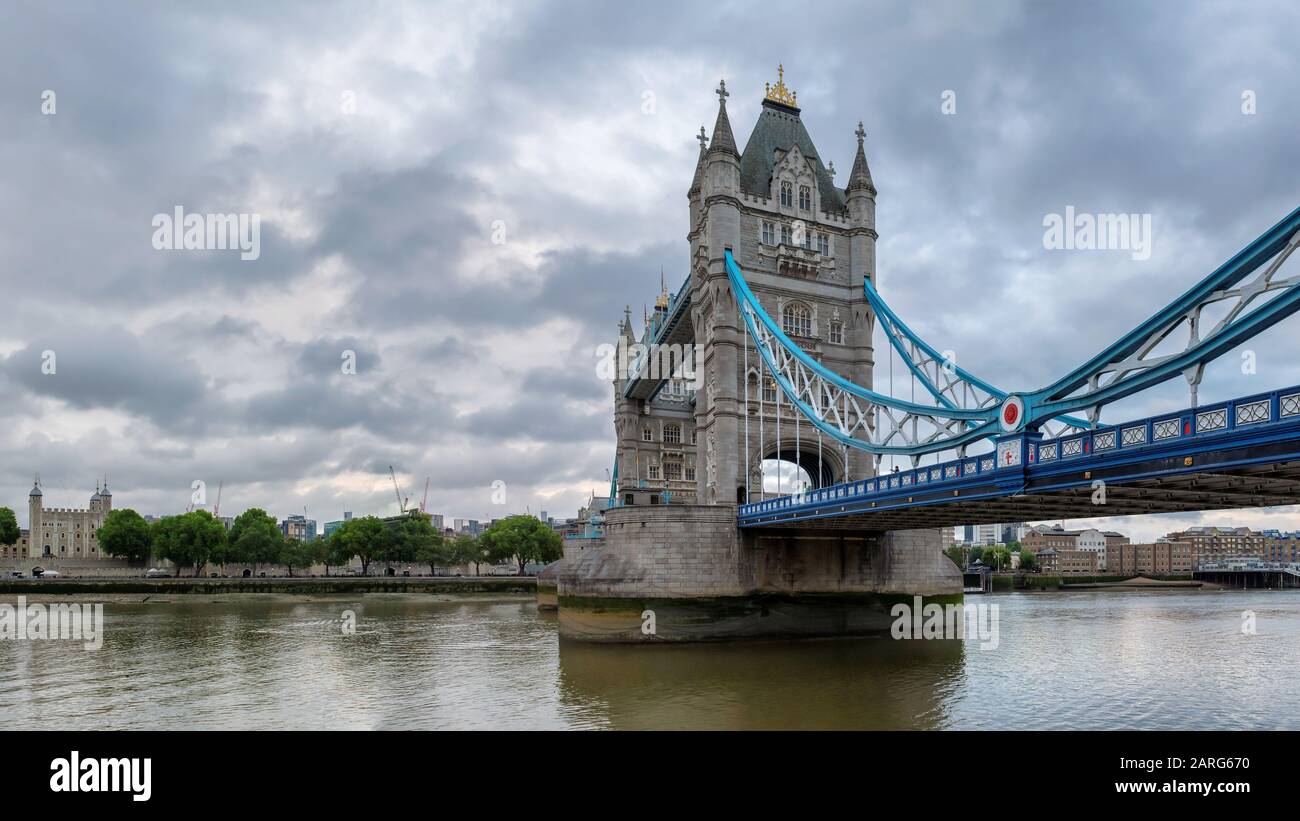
(723,139)
(779,128)
(699,164)
(36,491)
(860,176)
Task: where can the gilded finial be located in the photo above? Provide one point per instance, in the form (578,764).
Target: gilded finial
(779,93)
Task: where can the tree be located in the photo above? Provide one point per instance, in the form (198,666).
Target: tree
(335,553)
(124,534)
(523,538)
(365,538)
(976,554)
(255,538)
(465,549)
(955,553)
(9,532)
(188,539)
(1028,561)
(433,552)
(301,554)
(409,538)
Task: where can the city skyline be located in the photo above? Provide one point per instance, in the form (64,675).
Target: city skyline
(371,167)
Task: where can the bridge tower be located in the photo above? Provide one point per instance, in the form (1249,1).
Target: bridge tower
(805,246)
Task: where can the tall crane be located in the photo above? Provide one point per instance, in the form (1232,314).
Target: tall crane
(216,509)
(401,505)
(425,500)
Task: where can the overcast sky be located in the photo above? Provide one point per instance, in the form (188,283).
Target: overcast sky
(384,145)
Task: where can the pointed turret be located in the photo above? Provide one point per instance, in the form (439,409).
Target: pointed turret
(860,176)
(723,140)
(699,164)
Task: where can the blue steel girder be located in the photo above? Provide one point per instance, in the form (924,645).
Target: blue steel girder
(1128,366)
(842,410)
(673,328)
(949,384)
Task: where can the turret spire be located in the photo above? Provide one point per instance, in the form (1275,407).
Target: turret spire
(723,140)
(860,176)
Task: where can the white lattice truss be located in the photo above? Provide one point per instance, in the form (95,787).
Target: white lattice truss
(869,426)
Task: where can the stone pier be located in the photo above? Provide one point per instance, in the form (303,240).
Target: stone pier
(687,573)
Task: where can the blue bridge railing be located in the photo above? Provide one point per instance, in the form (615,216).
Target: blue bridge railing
(1023,452)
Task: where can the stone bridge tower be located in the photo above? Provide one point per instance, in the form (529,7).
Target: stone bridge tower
(805,246)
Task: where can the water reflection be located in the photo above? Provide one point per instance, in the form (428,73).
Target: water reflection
(1099,660)
(867,683)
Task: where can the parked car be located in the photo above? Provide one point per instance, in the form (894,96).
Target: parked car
(155,573)
(50,574)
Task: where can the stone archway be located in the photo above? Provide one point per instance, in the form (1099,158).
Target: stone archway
(823,471)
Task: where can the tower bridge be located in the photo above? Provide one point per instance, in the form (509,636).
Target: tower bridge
(781,304)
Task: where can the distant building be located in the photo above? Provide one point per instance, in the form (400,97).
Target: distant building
(436,518)
(1211,544)
(1067,561)
(299,527)
(330,527)
(1162,557)
(471,527)
(60,532)
(1042,537)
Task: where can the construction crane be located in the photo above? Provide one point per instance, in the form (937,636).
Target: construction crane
(216,509)
(401,505)
(425,500)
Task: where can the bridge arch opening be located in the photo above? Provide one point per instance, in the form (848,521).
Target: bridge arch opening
(790,470)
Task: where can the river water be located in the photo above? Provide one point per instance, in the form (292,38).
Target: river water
(1087,660)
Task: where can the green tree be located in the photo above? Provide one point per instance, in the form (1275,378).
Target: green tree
(301,554)
(409,538)
(1028,561)
(524,539)
(255,538)
(434,551)
(365,538)
(189,539)
(336,552)
(955,553)
(124,534)
(465,549)
(9,532)
(976,554)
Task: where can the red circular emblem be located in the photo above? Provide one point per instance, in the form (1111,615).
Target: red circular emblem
(1010,414)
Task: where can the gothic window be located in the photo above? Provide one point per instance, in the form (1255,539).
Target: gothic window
(805,198)
(647,435)
(796,320)
(769,390)
(824,244)
(786,235)
(672,434)
(673,471)
(653,472)
(690,474)
(837,333)
(787,194)
(808,239)
(769,234)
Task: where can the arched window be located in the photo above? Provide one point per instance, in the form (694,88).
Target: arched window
(796,320)
(672,434)
(787,194)
(805,198)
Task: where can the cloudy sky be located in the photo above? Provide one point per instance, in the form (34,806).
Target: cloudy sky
(467,194)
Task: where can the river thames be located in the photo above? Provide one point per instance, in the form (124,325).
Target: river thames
(1078,660)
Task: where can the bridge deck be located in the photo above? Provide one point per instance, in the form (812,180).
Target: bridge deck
(1237,454)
